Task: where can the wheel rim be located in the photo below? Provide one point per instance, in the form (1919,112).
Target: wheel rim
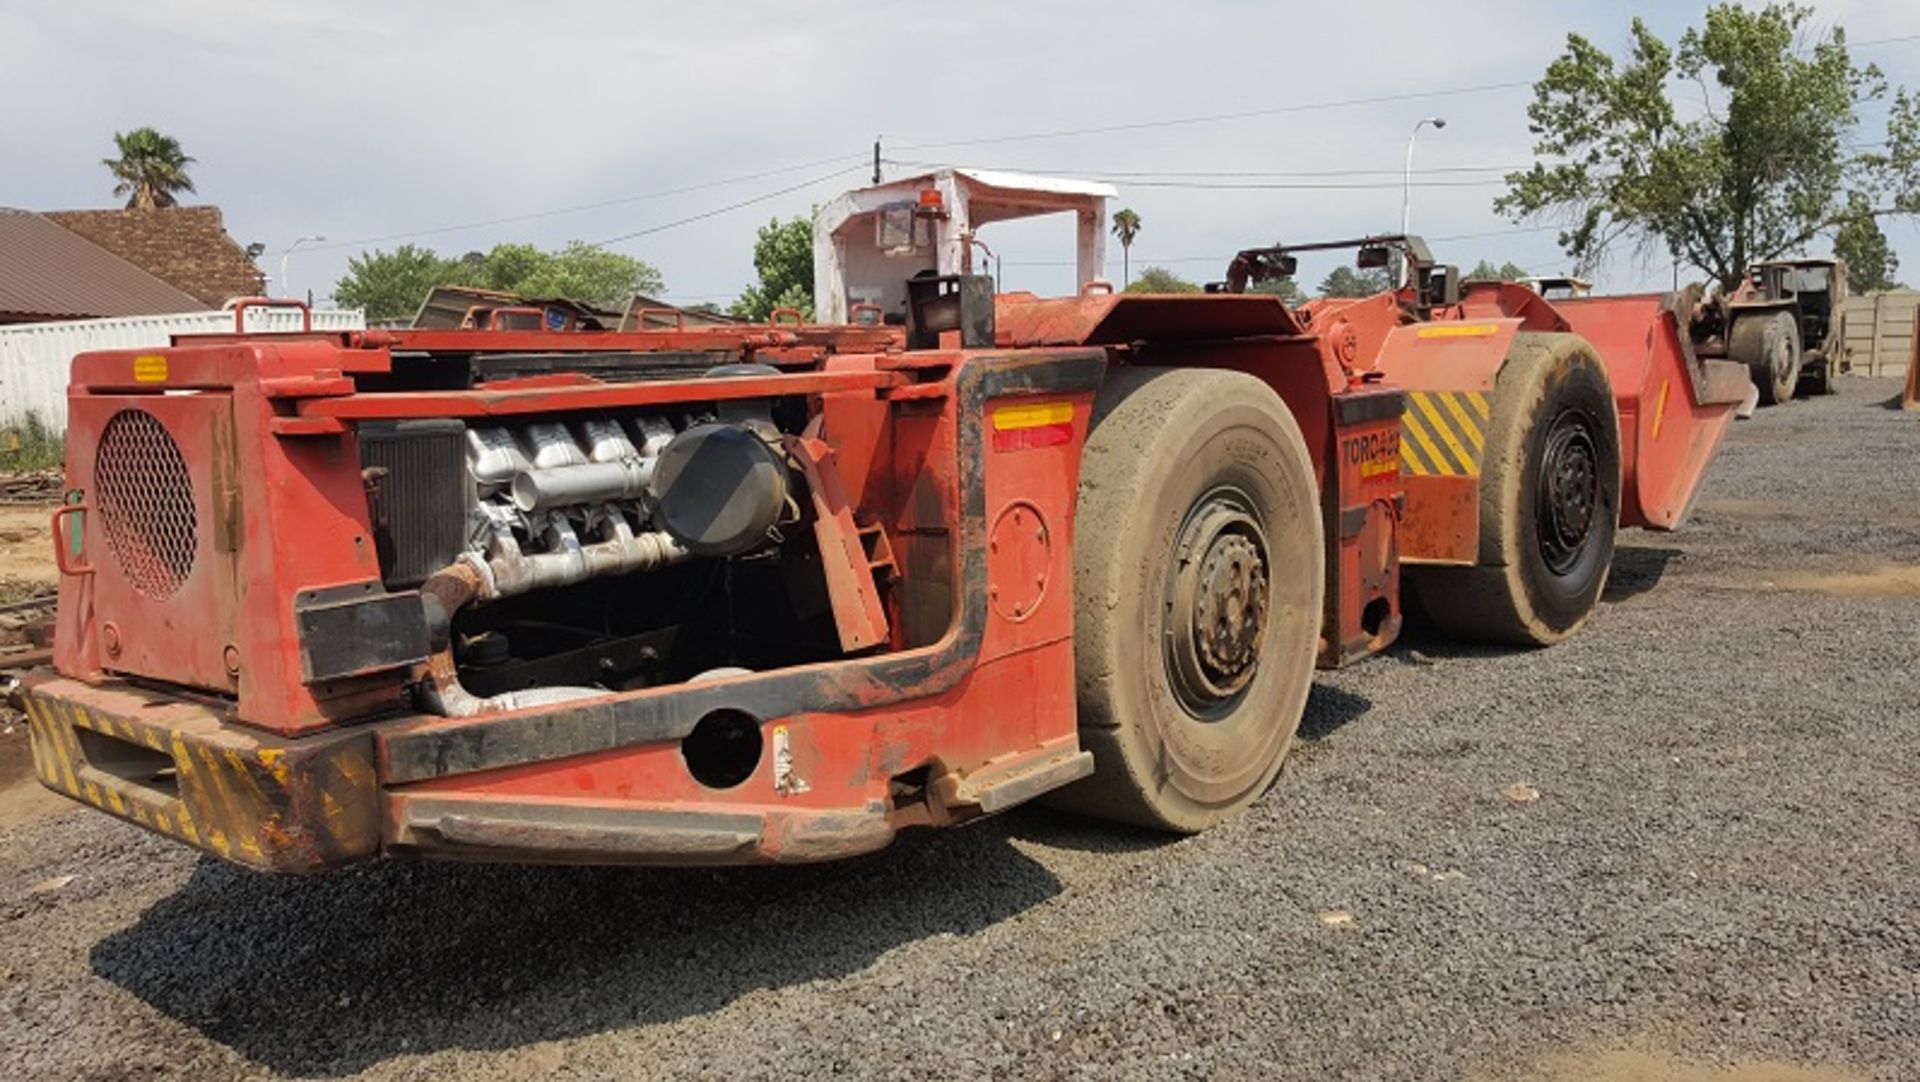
(1569,496)
(1216,608)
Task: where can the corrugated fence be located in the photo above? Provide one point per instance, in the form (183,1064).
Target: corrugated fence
(34,357)
(1879,329)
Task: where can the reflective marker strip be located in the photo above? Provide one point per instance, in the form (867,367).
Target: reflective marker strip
(1457,330)
(1009,418)
(1041,424)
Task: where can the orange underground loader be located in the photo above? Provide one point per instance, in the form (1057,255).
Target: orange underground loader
(773,593)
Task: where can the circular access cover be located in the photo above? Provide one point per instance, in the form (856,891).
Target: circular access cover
(1019,560)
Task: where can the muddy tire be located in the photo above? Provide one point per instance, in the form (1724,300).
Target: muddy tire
(1549,502)
(1199,571)
(1768,343)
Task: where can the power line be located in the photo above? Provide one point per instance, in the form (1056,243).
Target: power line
(1214,117)
(1308,186)
(1882,41)
(1494,233)
(1204,174)
(602,205)
(716,211)
(1182,180)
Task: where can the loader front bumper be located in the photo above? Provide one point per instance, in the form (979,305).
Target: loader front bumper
(179,767)
(176,767)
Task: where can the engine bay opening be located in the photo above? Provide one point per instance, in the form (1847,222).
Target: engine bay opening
(571,555)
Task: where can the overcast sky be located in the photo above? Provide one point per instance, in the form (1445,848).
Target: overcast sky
(380,123)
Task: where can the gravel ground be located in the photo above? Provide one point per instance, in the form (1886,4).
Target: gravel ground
(1721,865)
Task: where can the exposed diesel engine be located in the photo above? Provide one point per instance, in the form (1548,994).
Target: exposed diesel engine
(627,525)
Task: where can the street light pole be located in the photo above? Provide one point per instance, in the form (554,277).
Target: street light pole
(1406,181)
(286,287)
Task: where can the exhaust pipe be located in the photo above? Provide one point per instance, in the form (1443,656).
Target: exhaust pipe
(472,578)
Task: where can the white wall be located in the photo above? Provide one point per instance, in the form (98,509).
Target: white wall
(35,357)
(1879,329)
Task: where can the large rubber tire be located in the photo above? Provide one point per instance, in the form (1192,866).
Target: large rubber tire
(1191,479)
(1768,343)
(1549,502)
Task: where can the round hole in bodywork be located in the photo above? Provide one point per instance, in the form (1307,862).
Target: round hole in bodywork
(1373,618)
(723,749)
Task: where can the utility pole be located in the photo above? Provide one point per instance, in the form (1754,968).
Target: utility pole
(876,159)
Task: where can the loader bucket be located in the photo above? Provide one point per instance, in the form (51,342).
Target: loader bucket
(1674,406)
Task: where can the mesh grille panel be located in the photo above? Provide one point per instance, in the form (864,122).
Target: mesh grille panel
(146,503)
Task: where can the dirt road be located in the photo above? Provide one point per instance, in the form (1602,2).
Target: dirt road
(1682,847)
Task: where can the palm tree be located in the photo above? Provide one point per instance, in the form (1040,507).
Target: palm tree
(1126,226)
(151,169)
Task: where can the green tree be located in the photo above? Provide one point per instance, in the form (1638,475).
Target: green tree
(1160,280)
(579,271)
(1485,271)
(151,170)
(1871,262)
(1767,159)
(1344,281)
(503,266)
(1126,226)
(783,257)
(392,285)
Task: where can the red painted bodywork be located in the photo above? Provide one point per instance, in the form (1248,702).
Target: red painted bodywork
(1674,406)
(951,554)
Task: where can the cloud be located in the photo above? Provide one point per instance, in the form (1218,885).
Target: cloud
(359,120)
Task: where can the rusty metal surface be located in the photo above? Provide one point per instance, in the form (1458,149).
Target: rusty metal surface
(435,747)
(545,397)
(1118,318)
(1675,406)
(1442,524)
(963,463)
(1366,521)
(1450,355)
(750,337)
(857,611)
(228,625)
(276,805)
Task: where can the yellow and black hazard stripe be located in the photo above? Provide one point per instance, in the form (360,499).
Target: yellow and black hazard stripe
(286,808)
(1444,433)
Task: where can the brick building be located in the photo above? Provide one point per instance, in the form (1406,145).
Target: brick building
(187,247)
